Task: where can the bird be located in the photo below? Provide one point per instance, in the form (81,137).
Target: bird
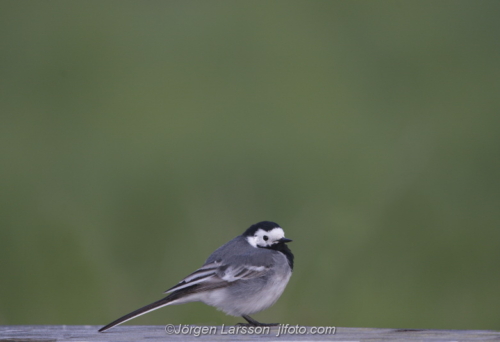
(244,276)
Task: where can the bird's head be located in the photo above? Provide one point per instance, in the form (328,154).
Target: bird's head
(265,234)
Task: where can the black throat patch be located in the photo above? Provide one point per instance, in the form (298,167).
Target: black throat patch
(283,248)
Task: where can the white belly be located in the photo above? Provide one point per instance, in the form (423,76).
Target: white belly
(243,304)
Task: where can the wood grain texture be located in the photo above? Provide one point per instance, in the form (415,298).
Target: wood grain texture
(47,333)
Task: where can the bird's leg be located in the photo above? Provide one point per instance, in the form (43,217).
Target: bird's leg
(252,322)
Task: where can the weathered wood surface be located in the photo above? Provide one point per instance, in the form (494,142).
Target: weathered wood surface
(47,333)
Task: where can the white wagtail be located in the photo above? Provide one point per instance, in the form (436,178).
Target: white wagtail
(246,275)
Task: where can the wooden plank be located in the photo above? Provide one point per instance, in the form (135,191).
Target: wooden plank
(49,333)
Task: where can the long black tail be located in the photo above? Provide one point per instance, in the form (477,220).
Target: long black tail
(144,310)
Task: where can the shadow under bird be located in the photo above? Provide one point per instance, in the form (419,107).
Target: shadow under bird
(246,275)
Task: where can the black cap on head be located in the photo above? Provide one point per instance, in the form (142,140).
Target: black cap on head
(264,225)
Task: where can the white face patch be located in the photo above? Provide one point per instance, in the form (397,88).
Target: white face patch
(261,238)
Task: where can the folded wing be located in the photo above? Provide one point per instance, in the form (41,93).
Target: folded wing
(217,275)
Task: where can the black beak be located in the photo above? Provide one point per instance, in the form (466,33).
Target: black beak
(285,240)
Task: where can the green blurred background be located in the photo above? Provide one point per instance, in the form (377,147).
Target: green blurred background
(137,137)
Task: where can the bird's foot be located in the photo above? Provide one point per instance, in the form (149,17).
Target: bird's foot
(253,323)
(257,325)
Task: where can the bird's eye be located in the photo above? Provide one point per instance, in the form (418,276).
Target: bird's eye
(265,238)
